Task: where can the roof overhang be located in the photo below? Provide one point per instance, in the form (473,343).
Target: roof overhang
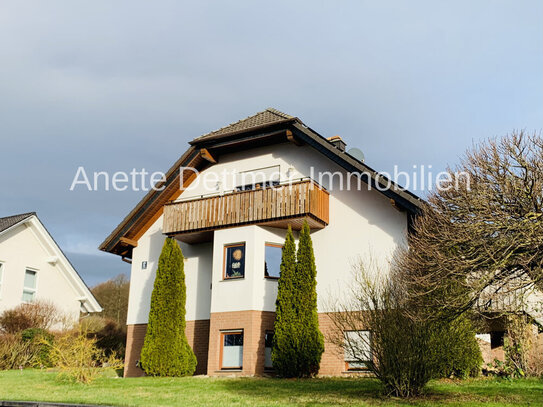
(123,239)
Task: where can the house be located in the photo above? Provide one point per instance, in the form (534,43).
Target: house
(33,267)
(228,201)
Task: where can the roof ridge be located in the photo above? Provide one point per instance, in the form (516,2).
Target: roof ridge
(265,117)
(26,215)
(279,113)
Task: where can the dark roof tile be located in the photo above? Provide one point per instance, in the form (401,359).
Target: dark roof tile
(9,221)
(260,119)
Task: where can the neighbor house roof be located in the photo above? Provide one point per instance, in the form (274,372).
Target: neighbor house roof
(9,221)
(267,127)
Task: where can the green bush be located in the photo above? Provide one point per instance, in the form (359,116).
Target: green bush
(166,351)
(298,342)
(40,339)
(460,354)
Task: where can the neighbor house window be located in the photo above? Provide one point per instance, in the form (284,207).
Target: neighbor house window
(272,261)
(29,289)
(232,350)
(268,344)
(357,350)
(234,261)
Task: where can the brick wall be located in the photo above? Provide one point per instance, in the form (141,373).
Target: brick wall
(197,334)
(205,339)
(254,325)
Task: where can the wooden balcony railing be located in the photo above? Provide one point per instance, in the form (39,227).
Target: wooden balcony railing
(278,206)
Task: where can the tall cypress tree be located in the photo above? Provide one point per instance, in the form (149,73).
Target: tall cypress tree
(166,351)
(298,343)
(285,336)
(312,340)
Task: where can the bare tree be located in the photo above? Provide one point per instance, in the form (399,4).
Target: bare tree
(480,238)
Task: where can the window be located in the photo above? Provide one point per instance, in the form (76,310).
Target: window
(232,350)
(272,261)
(234,261)
(258,179)
(357,350)
(257,185)
(268,344)
(29,289)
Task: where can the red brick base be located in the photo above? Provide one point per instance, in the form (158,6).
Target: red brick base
(197,334)
(205,338)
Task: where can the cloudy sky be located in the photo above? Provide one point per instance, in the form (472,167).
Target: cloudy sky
(113,86)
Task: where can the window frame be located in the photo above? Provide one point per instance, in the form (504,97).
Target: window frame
(222,334)
(278,245)
(268,368)
(351,369)
(26,289)
(226,247)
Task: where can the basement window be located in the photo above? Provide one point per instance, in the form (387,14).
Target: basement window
(268,344)
(272,261)
(29,289)
(234,261)
(231,350)
(357,350)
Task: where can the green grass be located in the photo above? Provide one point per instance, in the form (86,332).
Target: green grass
(203,391)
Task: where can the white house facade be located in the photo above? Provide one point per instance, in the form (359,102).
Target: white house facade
(231,232)
(33,267)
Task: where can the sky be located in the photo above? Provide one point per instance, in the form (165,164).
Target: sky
(113,86)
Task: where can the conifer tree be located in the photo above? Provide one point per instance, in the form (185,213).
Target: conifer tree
(311,340)
(285,336)
(298,343)
(166,351)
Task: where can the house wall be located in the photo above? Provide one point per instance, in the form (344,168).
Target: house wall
(21,248)
(363,225)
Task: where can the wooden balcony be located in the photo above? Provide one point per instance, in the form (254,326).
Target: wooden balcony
(194,220)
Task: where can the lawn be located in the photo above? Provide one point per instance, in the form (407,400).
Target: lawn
(203,391)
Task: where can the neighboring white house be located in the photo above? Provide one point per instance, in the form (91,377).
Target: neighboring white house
(33,267)
(231,230)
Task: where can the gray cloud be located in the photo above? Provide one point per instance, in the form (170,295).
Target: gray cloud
(117,85)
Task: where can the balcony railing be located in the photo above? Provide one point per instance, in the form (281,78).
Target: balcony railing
(276,206)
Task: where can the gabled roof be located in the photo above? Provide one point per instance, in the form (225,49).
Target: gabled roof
(76,282)
(258,120)
(264,128)
(9,221)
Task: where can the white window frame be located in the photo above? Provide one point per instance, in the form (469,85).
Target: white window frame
(221,354)
(351,346)
(29,289)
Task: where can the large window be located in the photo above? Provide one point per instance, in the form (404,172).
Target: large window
(268,344)
(272,262)
(234,261)
(357,350)
(29,289)
(232,350)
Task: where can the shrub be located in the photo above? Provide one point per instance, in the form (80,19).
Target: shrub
(78,358)
(16,353)
(460,354)
(407,349)
(37,337)
(166,351)
(298,342)
(110,336)
(111,339)
(39,314)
